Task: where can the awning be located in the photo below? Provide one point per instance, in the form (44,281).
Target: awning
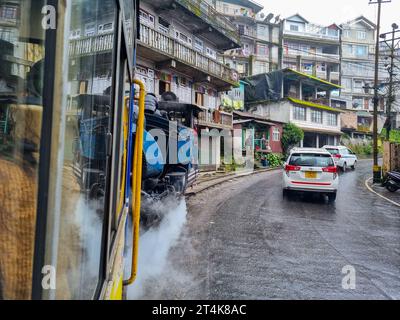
(320,130)
(266,123)
(364,114)
(310,80)
(310,104)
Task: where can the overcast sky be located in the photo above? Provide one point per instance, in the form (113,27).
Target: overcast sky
(328,11)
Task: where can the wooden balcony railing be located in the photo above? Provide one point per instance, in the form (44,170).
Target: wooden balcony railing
(215,119)
(177,50)
(91,45)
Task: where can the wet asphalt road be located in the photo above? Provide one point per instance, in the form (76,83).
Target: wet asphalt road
(244,241)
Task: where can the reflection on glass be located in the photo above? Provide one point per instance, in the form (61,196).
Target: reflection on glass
(21,82)
(88,122)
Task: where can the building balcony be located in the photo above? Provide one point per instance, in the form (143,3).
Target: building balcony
(201,18)
(313,32)
(91,45)
(325,57)
(216,119)
(169,52)
(248,33)
(364,128)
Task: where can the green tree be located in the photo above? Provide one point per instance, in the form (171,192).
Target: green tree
(292,135)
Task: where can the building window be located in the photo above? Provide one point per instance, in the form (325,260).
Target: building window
(261,67)
(358,86)
(358,102)
(226,8)
(262,50)
(163,25)
(316,116)
(146,18)
(361,51)
(333,32)
(361,35)
(263,31)
(294,27)
(75,34)
(276,135)
(8,13)
(300,113)
(211,53)
(7,35)
(90,29)
(198,45)
(163,87)
(199,99)
(347,34)
(106,28)
(332,119)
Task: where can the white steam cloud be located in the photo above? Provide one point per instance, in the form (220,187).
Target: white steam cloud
(155,245)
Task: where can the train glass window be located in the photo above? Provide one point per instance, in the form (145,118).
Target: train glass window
(84,158)
(21,110)
(129,9)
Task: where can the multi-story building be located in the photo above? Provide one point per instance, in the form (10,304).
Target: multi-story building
(358,40)
(311,48)
(289,96)
(178,52)
(260,37)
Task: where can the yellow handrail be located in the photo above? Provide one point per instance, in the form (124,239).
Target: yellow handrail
(137,183)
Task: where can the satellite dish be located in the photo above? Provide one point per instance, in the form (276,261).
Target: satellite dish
(262,15)
(269,17)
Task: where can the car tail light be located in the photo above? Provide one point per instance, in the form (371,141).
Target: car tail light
(289,168)
(338,156)
(330,170)
(333,170)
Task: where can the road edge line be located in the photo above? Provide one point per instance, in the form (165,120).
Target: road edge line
(378,194)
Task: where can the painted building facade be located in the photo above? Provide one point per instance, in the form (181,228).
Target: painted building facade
(311,48)
(260,36)
(358,38)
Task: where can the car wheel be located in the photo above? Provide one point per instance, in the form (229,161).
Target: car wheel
(332,197)
(286,193)
(353,167)
(391,187)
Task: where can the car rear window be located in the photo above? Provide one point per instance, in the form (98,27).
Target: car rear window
(311,160)
(333,151)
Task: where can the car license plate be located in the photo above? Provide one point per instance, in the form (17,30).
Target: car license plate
(311,175)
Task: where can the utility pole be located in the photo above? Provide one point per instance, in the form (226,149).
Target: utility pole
(377,170)
(391,98)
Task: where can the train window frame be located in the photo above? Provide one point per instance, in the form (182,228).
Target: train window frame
(121,57)
(45,155)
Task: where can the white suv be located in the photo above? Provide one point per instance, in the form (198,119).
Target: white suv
(344,157)
(311,170)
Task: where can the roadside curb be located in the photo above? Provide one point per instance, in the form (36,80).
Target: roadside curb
(369,187)
(224,179)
